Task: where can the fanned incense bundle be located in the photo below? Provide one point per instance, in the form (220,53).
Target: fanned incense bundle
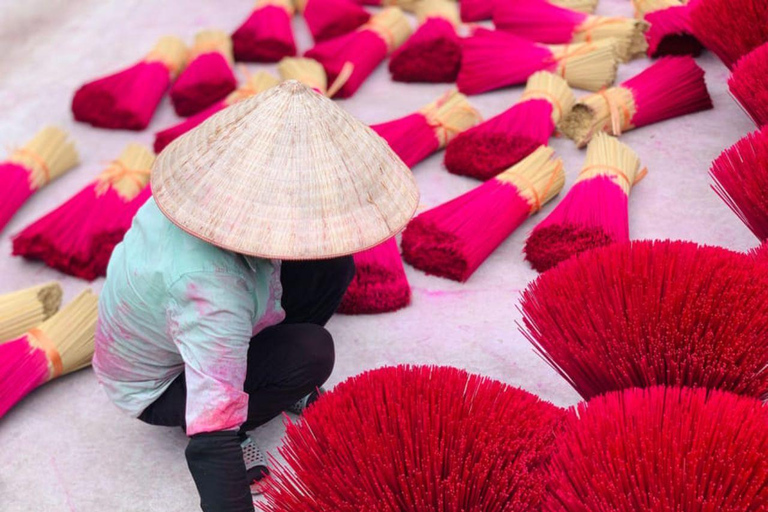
(539,20)
(749,84)
(652,313)
(741,180)
(47,156)
(24,309)
(128,99)
(267,35)
(410,439)
(416,136)
(594,212)
(672,87)
(730,28)
(307,71)
(254,84)
(661,450)
(78,237)
(60,345)
(351,58)
(671,33)
(433,52)
(454,239)
(492,59)
(379,285)
(500,142)
(327,19)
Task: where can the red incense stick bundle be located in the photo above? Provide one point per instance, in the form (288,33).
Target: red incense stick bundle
(672,87)
(208,77)
(418,135)
(351,58)
(594,212)
(662,450)
(433,52)
(260,81)
(327,19)
(652,313)
(77,238)
(60,345)
(492,59)
(455,238)
(47,156)
(539,20)
(267,35)
(500,142)
(741,180)
(128,99)
(749,84)
(760,253)
(410,439)
(671,32)
(730,28)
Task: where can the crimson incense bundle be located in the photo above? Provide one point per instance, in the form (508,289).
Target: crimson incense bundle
(671,32)
(741,180)
(672,87)
(648,313)
(128,99)
(433,52)
(254,84)
(267,35)
(327,19)
(416,439)
(351,58)
(78,237)
(455,238)
(492,59)
(47,156)
(749,84)
(661,450)
(500,142)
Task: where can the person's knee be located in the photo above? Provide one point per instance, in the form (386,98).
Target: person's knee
(319,352)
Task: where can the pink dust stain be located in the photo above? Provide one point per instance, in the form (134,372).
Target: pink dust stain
(229,411)
(202,304)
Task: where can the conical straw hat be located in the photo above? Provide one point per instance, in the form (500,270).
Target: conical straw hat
(286,174)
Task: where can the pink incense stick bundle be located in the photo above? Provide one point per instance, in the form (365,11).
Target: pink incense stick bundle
(671,32)
(730,28)
(267,35)
(741,180)
(416,439)
(418,135)
(652,313)
(327,19)
(128,99)
(539,20)
(433,52)
(479,10)
(351,58)
(500,142)
(661,450)
(253,85)
(749,84)
(672,87)
(47,156)
(208,77)
(78,237)
(492,59)
(455,238)
(594,212)
(379,285)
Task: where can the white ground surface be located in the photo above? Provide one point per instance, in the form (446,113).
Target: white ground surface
(66,448)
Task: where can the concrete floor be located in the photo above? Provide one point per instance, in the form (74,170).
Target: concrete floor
(65,447)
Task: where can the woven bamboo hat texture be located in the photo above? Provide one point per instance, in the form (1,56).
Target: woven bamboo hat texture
(288,175)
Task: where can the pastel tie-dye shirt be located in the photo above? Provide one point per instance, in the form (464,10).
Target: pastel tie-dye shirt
(174,303)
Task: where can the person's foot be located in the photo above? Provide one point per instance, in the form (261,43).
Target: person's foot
(299,407)
(255,465)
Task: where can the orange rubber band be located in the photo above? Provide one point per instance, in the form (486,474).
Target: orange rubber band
(51,351)
(38,160)
(118,171)
(640,175)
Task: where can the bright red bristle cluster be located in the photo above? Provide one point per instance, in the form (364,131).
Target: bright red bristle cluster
(207,79)
(22,369)
(327,19)
(653,313)
(414,439)
(741,180)
(671,32)
(431,54)
(661,450)
(749,84)
(266,36)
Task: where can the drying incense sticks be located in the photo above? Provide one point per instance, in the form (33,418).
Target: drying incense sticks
(24,309)
(327,19)
(587,6)
(78,237)
(672,87)
(749,84)
(644,7)
(671,33)
(454,239)
(266,36)
(307,71)
(128,99)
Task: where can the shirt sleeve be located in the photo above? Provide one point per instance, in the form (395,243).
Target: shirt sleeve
(211,319)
